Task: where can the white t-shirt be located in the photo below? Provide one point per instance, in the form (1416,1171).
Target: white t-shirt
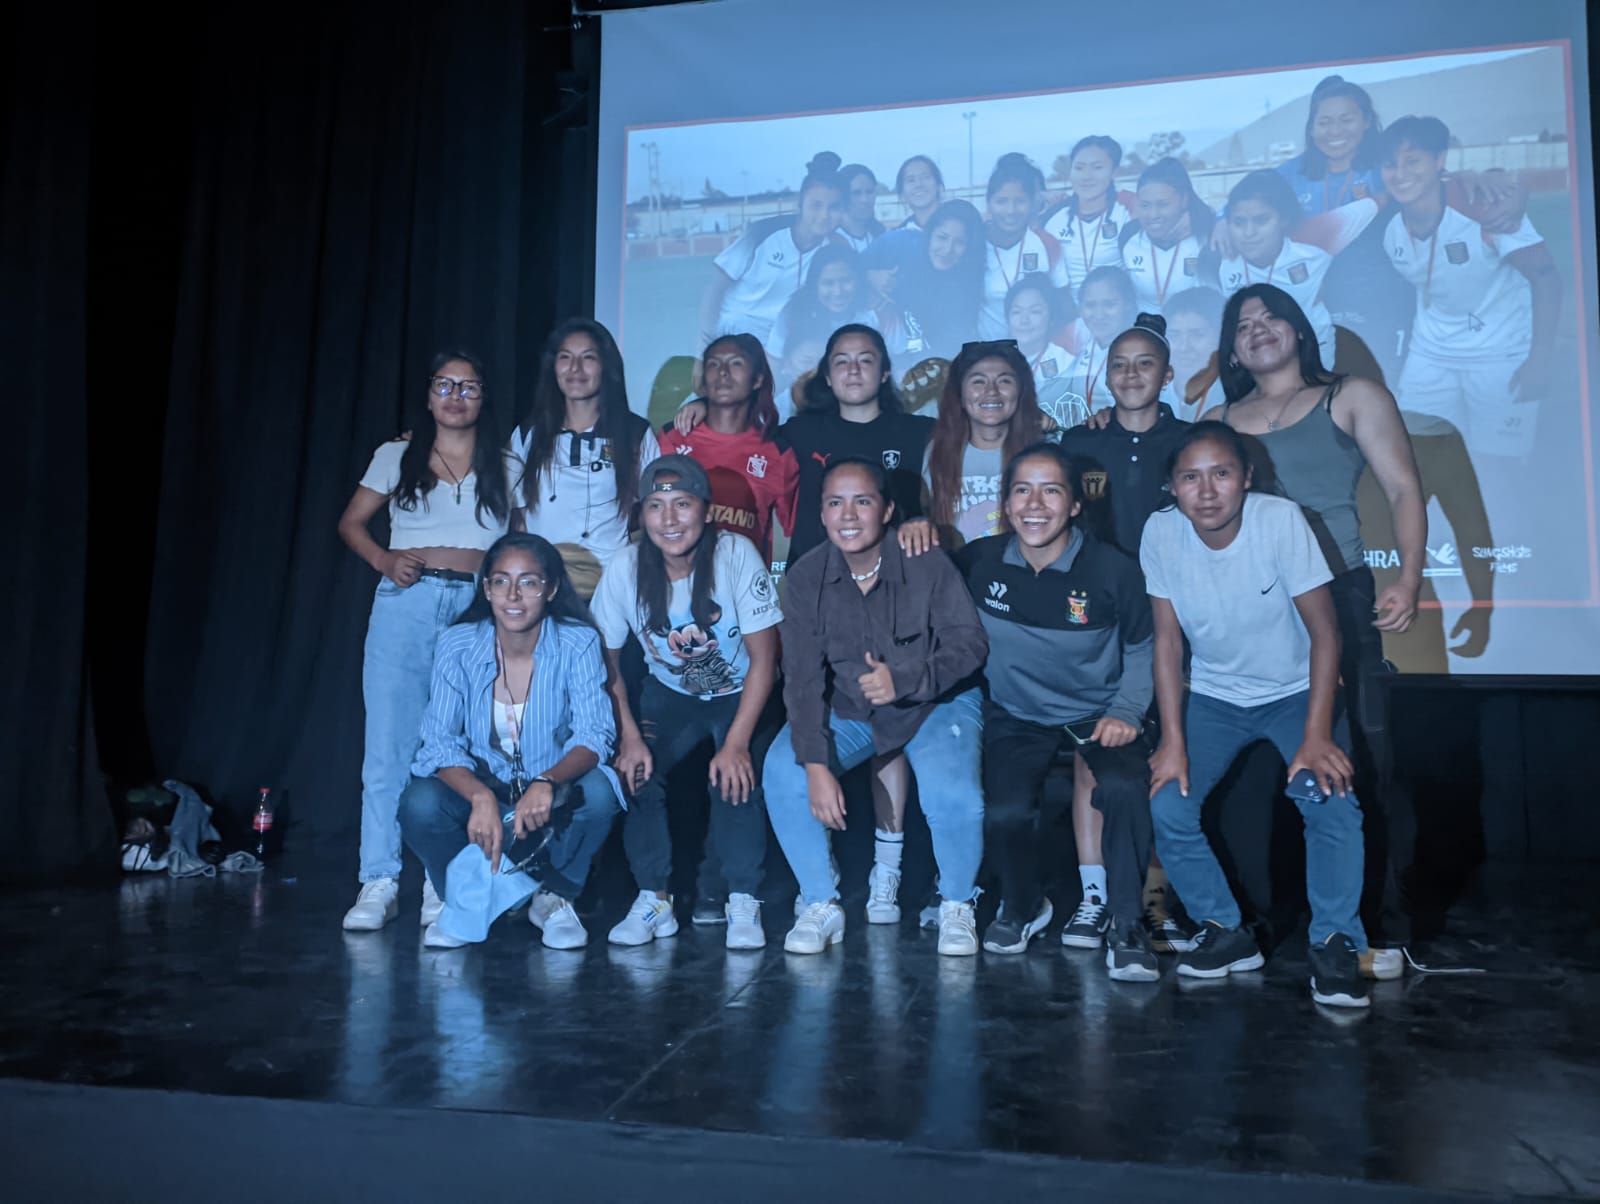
(1035,251)
(1472,306)
(684,658)
(1236,605)
(1159,272)
(1088,245)
(766,269)
(1299,271)
(439,520)
(580,504)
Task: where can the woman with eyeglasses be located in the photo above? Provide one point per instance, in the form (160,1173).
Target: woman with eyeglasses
(582,450)
(516,738)
(448,493)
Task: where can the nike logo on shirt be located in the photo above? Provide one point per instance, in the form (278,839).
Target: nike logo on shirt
(1268,590)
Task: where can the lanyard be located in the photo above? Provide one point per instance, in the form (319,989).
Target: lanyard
(1021,243)
(1086,249)
(1163,287)
(1433,247)
(513,720)
(1089,388)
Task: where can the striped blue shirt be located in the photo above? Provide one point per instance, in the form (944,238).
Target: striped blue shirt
(567,708)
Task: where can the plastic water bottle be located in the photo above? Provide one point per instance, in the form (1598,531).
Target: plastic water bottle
(262,823)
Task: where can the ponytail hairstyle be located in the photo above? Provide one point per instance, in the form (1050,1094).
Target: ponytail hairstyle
(762,415)
(1368,157)
(1175,176)
(618,426)
(1016,168)
(1113,151)
(952,429)
(1152,328)
(564,606)
(488,464)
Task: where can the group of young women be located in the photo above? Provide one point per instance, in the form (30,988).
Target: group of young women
(968,598)
(1439,280)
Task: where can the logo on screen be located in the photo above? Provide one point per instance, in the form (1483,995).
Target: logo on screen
(1444,561)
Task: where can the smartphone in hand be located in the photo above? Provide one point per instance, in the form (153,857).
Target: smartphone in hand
(1305,788)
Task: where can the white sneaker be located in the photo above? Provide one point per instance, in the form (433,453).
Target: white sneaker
(1383,964)
(883,895)
(432,904)
(648,918)
(437,938)
(744,922)
(958,929)
(553,916)
(820,925)
(376,905)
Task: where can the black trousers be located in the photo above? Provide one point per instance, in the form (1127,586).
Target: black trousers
(674,725)
(1017,757)
(1390,821)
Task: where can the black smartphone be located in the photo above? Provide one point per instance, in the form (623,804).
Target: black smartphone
(1305,788)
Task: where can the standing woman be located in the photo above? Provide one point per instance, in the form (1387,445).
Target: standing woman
(1088,223)
(859,224)
(702,604)
(517,718)
(1161,250)
(1030,317)
(920,186)
(582,450)
(1107,308)
(1014,246)
(944,289)
(448,493)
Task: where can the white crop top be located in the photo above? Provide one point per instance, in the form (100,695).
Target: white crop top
(439,520)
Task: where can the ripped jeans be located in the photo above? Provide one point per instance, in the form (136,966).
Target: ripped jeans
(944,756)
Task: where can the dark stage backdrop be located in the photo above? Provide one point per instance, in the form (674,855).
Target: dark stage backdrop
(229,247)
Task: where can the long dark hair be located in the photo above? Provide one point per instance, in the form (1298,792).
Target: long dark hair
(1113,151)
(804,313)
(617,426)
(488,464)
(946,302)
(1175,176)
(653,592)
(762,414)
(952,429)
(1237,380)
(1272,190)
(1313,163)
(564,606)
(1094,515)
(819,396)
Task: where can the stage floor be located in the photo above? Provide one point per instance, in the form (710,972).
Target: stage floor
(240,987)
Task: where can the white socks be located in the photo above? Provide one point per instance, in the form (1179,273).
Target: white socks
(887,847)
(1093,878)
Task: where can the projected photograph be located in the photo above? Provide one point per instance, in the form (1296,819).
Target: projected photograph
(1421,211)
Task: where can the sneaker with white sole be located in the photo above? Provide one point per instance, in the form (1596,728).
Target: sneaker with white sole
(432,904)
(883,895)
(1219,952)
(1168,933)
(958,929)
(648,918)
(708,910)
(1385,965)
(375,906)
(553,916)
(1129,957)
(1336,979)
(1087,927)
(819,925)
(437,938)
(744,922)
(1008,934)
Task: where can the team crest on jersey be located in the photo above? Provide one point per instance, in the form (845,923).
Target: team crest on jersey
(1094,484)
(1456,252)
(1030,262)
(1191,265)
(1048,368)
(756,466)
(1298,274)
(1108,229)
(1077,607)
(604,462)
(891,459)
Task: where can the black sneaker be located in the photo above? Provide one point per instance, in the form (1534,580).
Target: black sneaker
(1087,927)
(1007,934)
(1336,974)
(708,911)
(1129,957)
(1168,933)
(1220,951)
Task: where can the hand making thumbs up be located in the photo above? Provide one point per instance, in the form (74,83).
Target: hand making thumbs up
(877,683)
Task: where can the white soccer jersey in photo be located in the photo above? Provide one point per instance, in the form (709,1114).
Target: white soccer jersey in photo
(766,269)
(1086,245)
(845,238)
(1035,251)
(1158,272)
(1087,376)
(1050,364)
(1299,271)
(1471,304)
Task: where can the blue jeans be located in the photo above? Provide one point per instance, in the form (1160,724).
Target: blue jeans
(434,819)
(944,755)
(1217,732)
(395,675)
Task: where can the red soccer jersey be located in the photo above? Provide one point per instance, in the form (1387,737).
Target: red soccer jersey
(751,478)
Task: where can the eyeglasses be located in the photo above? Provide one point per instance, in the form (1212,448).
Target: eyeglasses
(500,585)
(470,390)
(985,344)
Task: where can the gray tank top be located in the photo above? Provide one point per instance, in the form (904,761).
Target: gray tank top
(1319,466)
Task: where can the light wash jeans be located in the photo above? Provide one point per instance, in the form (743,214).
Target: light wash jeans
(944,755)
(1216,733)
(395,675)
